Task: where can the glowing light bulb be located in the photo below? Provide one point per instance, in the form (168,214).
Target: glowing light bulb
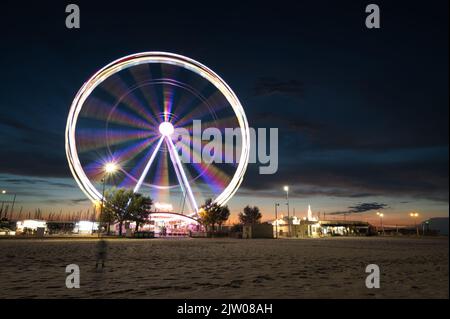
(110,167)
(166,128)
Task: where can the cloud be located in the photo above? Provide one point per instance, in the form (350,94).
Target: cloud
(292,124)
(27,180)
(269,86)
(332,176)
(79,200)
(361,208)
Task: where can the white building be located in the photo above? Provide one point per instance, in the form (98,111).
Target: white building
(31,225)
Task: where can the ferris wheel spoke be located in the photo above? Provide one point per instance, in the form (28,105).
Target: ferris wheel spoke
(184,179)
(130,152)
(147,167)
(195,111)
(120,91)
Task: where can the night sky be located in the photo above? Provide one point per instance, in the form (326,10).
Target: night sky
(362,114)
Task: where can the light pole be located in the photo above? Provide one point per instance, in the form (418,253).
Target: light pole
(276,220)
(109,168)
(3,203)
(286,189)
(415,215)
(381,221)
(12,206)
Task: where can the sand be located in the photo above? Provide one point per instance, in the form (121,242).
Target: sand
(226,268)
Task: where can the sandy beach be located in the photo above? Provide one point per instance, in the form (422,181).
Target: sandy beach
(226,268)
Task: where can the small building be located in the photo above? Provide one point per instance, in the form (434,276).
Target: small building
(305,228)
(345,228)
(264,230)
(312,226)
(60,227)
(85,227)
(31,226)
(436,225)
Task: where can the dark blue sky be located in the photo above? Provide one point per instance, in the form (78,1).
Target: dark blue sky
(362,114)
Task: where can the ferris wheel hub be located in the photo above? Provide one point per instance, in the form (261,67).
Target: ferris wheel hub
(166,128)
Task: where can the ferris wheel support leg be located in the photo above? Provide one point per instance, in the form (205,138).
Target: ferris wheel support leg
(176,169)
(147,167)
(183,175)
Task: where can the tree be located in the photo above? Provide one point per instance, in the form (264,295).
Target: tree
(251,215)
(212,213)
(140,209)
(223,215)
(205,213)
(117,205)
(122,205)
(107,217)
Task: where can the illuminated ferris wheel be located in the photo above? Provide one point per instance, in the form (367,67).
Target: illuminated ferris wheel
(130,114)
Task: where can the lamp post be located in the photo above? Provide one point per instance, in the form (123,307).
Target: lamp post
(3,203)
(109,168)
(12,206)
(276,220)
(414,216)
(286,189)
(381,221)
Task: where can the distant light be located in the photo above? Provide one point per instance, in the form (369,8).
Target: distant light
(165,207)
(111,167)
(30,224)
(166,128)
(85,226)
(3,192)
(286,188)
(167,217)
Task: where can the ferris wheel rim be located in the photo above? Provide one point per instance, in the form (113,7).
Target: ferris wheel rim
(154,57)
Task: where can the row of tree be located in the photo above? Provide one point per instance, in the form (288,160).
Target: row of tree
(123,205)
(212,214)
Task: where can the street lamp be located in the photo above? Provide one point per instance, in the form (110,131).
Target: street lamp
(415,215)
(276,220)
(12,206)
(109,169)
(381,221)
(286,189)
(3,203)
